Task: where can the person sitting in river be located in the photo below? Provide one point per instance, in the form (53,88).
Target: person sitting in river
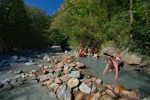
(81,52)
(113,62)
(95,54)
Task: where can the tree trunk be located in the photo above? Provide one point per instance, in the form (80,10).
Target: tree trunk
(131,19)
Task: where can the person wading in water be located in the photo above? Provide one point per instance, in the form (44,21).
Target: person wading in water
(113,62)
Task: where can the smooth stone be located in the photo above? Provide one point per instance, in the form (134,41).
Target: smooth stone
(7,87)
(18,72)
(57,80)
(52,95)
(61,91)
(45,77)
(65,78)
(74,74)
(94,89)
(73,82)
(84,88)
(111,93)
(68,95)
(54,86)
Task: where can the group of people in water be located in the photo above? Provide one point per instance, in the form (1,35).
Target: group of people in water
(113,62)
(88,52)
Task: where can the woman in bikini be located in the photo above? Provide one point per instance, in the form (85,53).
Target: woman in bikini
(112,64)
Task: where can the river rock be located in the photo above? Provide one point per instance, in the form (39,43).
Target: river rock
(73,82)
(68,95)
(61,91)
(101,87)
(84,88)
(111,93)
(57,80)
(130,58)
(79,65)
(60,65)
(80,96)
(58,72)
(76,89)
(46,77)
(74,74)
(130,94)
(7,80)
(48,82)
(7,87)
(98,81)
(65,78)
(18,72)
(94,89)
(54,86)
(52,95)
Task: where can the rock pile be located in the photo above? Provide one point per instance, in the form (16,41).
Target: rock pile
(66,81)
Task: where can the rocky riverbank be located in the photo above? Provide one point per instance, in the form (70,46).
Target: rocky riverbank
(66,79)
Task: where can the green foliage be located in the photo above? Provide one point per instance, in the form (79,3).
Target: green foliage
(95,23)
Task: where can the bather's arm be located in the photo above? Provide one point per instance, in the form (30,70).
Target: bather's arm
(105,69)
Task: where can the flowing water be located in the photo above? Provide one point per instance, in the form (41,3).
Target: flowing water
(127,77)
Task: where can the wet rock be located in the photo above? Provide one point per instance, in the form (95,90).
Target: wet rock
(73,82)
(54,86)
(76,89)
(48,82)
(7,80)
(52,95)
(89,80)
(61,91)
(130,94)
(18,72)
(98,81)
(79,65)
(106,97)
(101,88)
(67,69)
(111,93)
(80,96)
(60,65)
(7,87)
(29,63)
(46,57)
(58,72)
(74,74)
(68,95)
(65,78)
(84,88)
(57,80)
(46,77)
(94,89)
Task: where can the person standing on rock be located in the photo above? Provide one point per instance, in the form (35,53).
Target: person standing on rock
(113,63)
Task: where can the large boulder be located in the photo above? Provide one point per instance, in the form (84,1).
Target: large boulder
(61,91)
(130,58)
(75,74)
(73,82)
(84,88)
